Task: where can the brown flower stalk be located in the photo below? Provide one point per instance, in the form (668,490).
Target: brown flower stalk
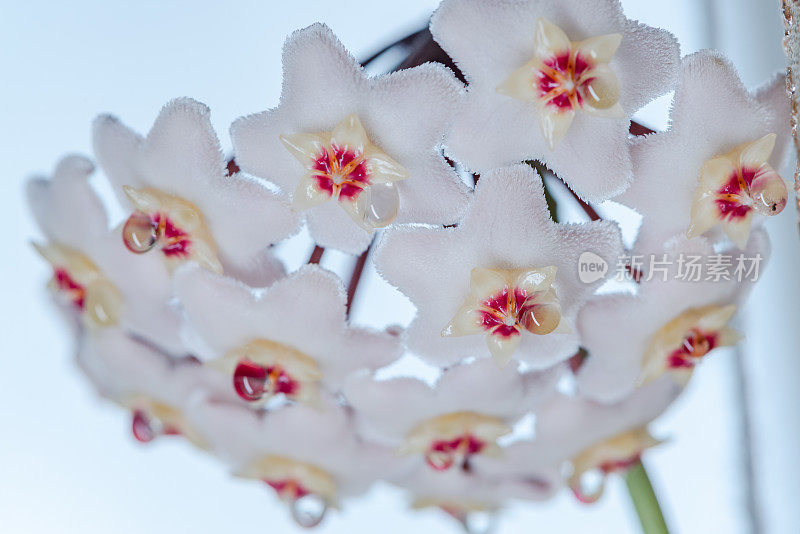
(791,45)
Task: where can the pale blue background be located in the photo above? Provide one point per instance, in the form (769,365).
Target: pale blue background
(67,462)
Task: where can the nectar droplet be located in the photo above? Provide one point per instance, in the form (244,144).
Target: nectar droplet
(309,510)
(696,344)
(588,486)
(769,193)
(250,380)
(440,460)
(379,204)
(141,427)
(479,522)
(140,233)
(541,319)
(602,92)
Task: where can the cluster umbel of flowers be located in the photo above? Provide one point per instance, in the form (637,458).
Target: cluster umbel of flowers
(185,317)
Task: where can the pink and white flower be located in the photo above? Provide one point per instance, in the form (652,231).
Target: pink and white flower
(92,271)
(356,152)
(668,327)
(185,205)
(600,438)
(504,282)
(475,498)
(155,388)
(302,453)
(715,167)
(524,471)
(553,80)
(465,497)
(460,418)
(290,339)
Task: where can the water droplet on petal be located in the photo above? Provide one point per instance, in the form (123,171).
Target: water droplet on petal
(601,92)
(440,460)
(140,233)
(768,192)
(479,522)
(309,510)
(379,204)
(250,380)
(103,303)
(142,430)
(541,319)
(589,486)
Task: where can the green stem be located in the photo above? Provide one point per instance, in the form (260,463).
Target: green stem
(645,500)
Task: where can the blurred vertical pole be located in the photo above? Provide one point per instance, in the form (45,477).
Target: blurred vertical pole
(751,32)
(717,35)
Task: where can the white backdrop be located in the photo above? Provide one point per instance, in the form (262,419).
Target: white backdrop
(67,462)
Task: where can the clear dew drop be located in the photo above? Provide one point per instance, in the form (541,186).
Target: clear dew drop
(103,303)
(479,522)
(309,511)
(140,233)
(590,486)
(379,204)
(541,319)
(769,193)
(601,92)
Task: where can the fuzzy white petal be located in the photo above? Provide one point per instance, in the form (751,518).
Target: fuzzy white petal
(712,113)
(480,387)
(66,207)
(612,369)
(181,156)
(305,311)
(323,84)
(490,39)
(507,227)
(568,425)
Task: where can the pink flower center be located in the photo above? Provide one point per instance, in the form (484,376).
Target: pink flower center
(340,172)
(174,241)
(74,292)
(563,78)
(614,466)
(502,313)
(734,199)
(443,454)
(695,345)
(253,381)
(288,488)
(146,429)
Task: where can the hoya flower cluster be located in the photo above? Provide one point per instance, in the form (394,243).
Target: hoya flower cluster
(186,317)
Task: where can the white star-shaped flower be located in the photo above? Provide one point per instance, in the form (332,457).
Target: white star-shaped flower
(356,152)
(713,169)
(186,206)
(92,271)
(290,339)
(476,497)
(299,451)
(598,437)
(670,325)
(553,80)
(156,389)
(461,417)
(463,496)
(504,283)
